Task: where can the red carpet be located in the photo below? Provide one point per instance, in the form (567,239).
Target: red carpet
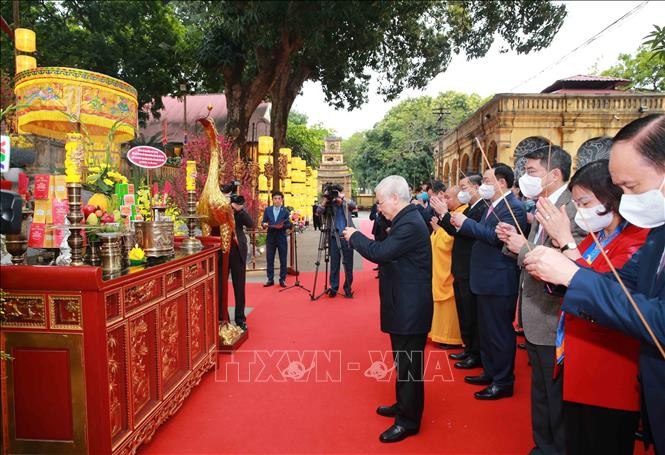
(331,408)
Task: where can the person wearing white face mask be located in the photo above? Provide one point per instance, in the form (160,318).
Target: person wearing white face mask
(547,173)
(494,279)
(465,300)
(637,166)
(600,364)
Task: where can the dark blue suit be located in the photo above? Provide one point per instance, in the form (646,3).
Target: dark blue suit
(494,278)
(276,240)
(599,297)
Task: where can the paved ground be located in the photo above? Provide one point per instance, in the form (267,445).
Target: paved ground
(308,249)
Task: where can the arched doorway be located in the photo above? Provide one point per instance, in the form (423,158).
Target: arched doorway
(476,167)
(464,166)
(491,153)
(594,149)
(446,174)
(527,145)
(453,173)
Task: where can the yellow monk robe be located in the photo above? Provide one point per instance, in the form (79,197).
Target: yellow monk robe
(445,325)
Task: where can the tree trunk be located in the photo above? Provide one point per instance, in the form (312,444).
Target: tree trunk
(282,95)
(243,97)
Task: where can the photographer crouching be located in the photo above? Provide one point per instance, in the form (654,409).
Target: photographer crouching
(338,209)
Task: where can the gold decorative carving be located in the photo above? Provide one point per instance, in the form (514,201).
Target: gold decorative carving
(195,307)
(174,281)
(115,409)
(169,335)
(139,356)
(171,404)
(113,310)
(139,294)
(192,272)
(215,208)
(22,310)
(66,312)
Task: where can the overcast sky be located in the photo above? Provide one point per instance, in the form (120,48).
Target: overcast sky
(499,73)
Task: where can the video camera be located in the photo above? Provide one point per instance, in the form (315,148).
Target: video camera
(231,187)
(331,191)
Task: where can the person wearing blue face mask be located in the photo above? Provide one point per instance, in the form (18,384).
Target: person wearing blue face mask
(637,166)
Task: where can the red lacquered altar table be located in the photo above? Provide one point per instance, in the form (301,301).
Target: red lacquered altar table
(98,364)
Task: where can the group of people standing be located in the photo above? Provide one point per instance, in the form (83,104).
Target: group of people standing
(594,364)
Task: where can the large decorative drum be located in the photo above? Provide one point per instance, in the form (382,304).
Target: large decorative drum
(53,100)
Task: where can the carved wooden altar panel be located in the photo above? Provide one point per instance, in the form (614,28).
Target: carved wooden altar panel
(143,363)
(173,341)
(122,355)
(196,312)
(118,381)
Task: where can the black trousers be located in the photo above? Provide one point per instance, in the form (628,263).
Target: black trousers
(409,387)
(237,269)
(546,401)
(467,312)
(278,245)
(497,337)
(346,257)
(592,429)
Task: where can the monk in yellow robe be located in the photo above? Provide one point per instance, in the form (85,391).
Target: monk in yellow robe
(445,324)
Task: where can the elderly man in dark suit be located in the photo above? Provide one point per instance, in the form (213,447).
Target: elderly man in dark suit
(405,290)
(494,280)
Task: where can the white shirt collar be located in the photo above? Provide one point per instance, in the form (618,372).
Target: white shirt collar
(495,203)
(557,194)
(476,203)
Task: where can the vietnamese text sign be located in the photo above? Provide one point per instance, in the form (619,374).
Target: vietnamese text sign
(146,157)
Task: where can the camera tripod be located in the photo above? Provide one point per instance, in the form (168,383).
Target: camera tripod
(295,253)
(324,247)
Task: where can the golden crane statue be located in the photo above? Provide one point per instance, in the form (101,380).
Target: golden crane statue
(213,207)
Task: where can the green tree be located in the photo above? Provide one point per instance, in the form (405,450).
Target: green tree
(307,142)
(140,42)
(401,143)
(645,69)
(269,49)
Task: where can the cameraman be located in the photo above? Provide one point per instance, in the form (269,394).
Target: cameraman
(238,257)
(341,218)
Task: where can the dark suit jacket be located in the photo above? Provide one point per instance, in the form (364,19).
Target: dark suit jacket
(405,273)
(461,254)
(242,219)
(276,234)
(599,297)
(540,312)
(492,272)
(381,224)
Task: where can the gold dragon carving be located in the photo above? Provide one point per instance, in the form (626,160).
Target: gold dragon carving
(213,207)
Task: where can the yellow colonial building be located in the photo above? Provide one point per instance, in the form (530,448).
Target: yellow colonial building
(580,114)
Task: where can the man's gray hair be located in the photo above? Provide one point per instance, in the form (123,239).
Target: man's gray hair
(394,184)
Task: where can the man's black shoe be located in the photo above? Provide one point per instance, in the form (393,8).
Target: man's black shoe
(468,363)
(459,356)
(387,411)
(396,433)
(483,379)
(348,295)
(269,283)
(282,284)
(332,294)
(494,392)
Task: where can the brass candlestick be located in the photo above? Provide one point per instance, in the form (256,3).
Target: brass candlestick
(75,218)
(191,243)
